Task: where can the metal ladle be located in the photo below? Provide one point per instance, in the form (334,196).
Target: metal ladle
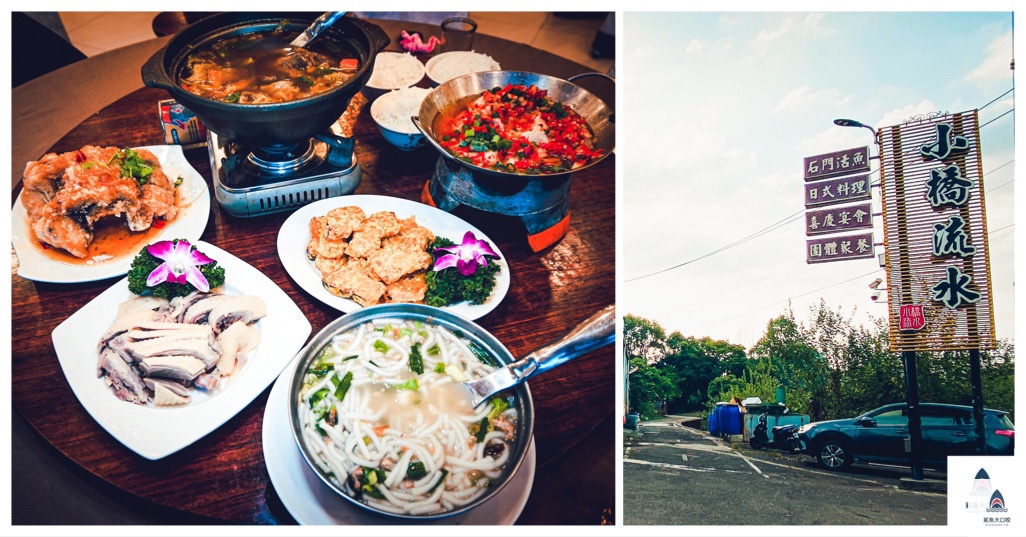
(319,25)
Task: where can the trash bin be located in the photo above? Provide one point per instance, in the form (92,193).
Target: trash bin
(716,419)
(632,421)
(730,420)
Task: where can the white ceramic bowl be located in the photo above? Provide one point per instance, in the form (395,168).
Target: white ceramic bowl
(392,112)
(449,65)
(392,70)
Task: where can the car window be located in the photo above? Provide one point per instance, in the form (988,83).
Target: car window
(892,417)
(998,421)
(941,419)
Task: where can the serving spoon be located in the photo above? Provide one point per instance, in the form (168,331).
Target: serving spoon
(594,332)
(319,25)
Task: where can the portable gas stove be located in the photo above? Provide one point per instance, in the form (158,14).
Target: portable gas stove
(539,201)
(251,181)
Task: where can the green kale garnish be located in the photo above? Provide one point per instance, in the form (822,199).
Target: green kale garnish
(448,286)
(144,263)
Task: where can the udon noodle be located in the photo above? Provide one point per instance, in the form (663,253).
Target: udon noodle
(382,409)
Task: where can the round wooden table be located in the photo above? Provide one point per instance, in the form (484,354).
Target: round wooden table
(222,478)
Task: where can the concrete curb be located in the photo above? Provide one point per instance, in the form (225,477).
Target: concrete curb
(923,485)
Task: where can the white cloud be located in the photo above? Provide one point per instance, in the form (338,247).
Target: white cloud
(900,115)
(807,27)
(803,97)
(996,67)
(695,46)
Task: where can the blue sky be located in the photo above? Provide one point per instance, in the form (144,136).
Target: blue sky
(722,107)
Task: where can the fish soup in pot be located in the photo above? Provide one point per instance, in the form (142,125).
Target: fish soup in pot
(269,123)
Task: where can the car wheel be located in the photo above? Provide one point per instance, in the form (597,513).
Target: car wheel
(834,454)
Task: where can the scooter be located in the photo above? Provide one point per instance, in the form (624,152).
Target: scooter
(785,437)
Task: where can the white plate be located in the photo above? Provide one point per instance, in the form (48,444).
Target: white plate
(310,501)
(189,225)
(156,432)
(294,236)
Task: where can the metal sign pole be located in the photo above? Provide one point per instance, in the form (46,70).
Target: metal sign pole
(915,429)
(976,382)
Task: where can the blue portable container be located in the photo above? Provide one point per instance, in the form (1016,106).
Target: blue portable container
(730,420)
(715,423)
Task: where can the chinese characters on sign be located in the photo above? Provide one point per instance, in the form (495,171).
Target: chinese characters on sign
(833,191)
(912,317)
(837,219)
(824,188)
(847,162)
(839,248)
(934,227)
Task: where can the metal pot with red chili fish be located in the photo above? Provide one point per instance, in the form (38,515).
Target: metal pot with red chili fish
(261,67)
(517,129)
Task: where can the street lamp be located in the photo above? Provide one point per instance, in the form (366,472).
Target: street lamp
(841,122)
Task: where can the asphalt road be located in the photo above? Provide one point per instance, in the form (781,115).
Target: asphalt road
(673,475)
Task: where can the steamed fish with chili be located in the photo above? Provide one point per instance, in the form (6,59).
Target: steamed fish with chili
(261,67)
(67,195)
(517,129)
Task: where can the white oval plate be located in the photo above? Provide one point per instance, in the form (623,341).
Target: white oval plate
(156,432)
(310,501)
(189,225)
(294,236)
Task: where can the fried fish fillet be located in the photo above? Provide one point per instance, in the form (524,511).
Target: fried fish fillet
(66,194)
(367,237)
(410,288)
(355,281)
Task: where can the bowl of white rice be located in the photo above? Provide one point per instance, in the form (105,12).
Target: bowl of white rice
(449,65)
(393,70)
(392,112)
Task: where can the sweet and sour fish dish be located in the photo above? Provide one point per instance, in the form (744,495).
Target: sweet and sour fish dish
(67,195)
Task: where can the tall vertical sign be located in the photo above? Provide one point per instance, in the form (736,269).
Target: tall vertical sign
(935,235)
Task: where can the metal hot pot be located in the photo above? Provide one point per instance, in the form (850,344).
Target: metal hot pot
(265,124)
(539,201)
(599,116)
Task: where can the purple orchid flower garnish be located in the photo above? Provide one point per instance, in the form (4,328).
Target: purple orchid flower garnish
(467,256)
(181,264)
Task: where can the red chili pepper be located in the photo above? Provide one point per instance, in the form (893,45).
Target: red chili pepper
(158,223)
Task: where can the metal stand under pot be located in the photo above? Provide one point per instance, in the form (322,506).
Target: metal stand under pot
(539,202)
(251,181)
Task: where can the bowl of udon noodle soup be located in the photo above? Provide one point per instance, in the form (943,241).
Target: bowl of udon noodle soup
(238,74)
(379,413)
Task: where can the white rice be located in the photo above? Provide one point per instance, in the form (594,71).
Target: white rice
(393,70)
(450,65)
(393,109)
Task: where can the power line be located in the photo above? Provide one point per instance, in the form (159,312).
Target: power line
(788,299)
(1007,112)
(791,218)
(996,99)
(772,227)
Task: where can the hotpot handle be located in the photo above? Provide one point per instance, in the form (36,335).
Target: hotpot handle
(153,74)
(594,332)
(582,75)
(430,138)
(378,38)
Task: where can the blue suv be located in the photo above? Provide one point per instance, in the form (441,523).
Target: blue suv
(880,436)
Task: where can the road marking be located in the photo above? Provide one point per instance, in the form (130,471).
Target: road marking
(750,463)
(682,467)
